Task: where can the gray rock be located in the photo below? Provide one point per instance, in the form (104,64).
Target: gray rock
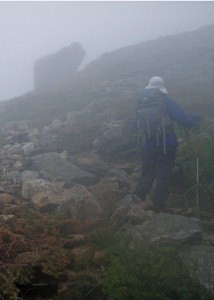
(14,176)
(107,194)
(46,201)
(30,175)
(57,166)
(16,149)
(111,136)
(94,165)
(31,188)
(78,202)
(200,260)
(166,229)
(118,176)
(18,165)
(31,147)
(130,200)
(137,215)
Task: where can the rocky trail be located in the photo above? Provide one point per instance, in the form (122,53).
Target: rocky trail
(90,187)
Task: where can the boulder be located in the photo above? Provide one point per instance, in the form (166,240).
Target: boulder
(118,176)
(30,175)
(200,261)
(78,202)
(14,177)
(110,137)
(137,216)
(166,229)
(31,188)
(7,199)
(46,201)
(57,166)
(56,70)
(94,165)
(16,149)
(107,195)
(31,147)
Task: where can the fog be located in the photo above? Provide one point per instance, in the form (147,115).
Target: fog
(31,30)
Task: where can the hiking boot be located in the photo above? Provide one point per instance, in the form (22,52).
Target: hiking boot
(146,204)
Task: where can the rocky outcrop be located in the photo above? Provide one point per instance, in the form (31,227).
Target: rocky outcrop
(56,70)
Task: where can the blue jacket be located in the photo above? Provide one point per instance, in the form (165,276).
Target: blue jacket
(176,113)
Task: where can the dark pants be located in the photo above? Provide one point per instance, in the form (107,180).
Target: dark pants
(156,168)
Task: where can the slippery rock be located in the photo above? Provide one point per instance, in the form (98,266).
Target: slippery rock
(166,229)
(57,166)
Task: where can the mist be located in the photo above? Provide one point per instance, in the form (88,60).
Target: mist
(31,30)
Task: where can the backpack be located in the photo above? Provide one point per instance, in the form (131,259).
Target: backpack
(153,122)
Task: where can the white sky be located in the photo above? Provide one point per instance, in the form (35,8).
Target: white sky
(31,30)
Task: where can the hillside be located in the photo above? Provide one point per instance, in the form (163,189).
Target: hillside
(185,61)
(71,226)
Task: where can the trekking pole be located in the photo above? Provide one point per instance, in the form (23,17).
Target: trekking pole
(196,209)
(197,172)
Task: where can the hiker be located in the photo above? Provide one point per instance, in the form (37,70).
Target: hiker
(159,148)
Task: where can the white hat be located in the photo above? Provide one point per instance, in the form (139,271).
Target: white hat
(157,82)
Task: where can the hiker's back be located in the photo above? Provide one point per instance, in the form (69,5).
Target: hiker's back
(153,122)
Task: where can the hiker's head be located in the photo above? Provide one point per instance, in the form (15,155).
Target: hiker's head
(157,82)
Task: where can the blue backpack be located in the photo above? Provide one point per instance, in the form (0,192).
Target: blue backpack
(153,122)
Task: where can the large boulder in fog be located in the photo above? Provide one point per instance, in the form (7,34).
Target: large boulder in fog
(57,69)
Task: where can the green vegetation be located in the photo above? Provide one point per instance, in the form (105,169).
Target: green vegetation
(187,156)
(147,273)
(34,255)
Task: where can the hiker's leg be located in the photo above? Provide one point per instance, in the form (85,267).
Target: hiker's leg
(148,172)
(165,165)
